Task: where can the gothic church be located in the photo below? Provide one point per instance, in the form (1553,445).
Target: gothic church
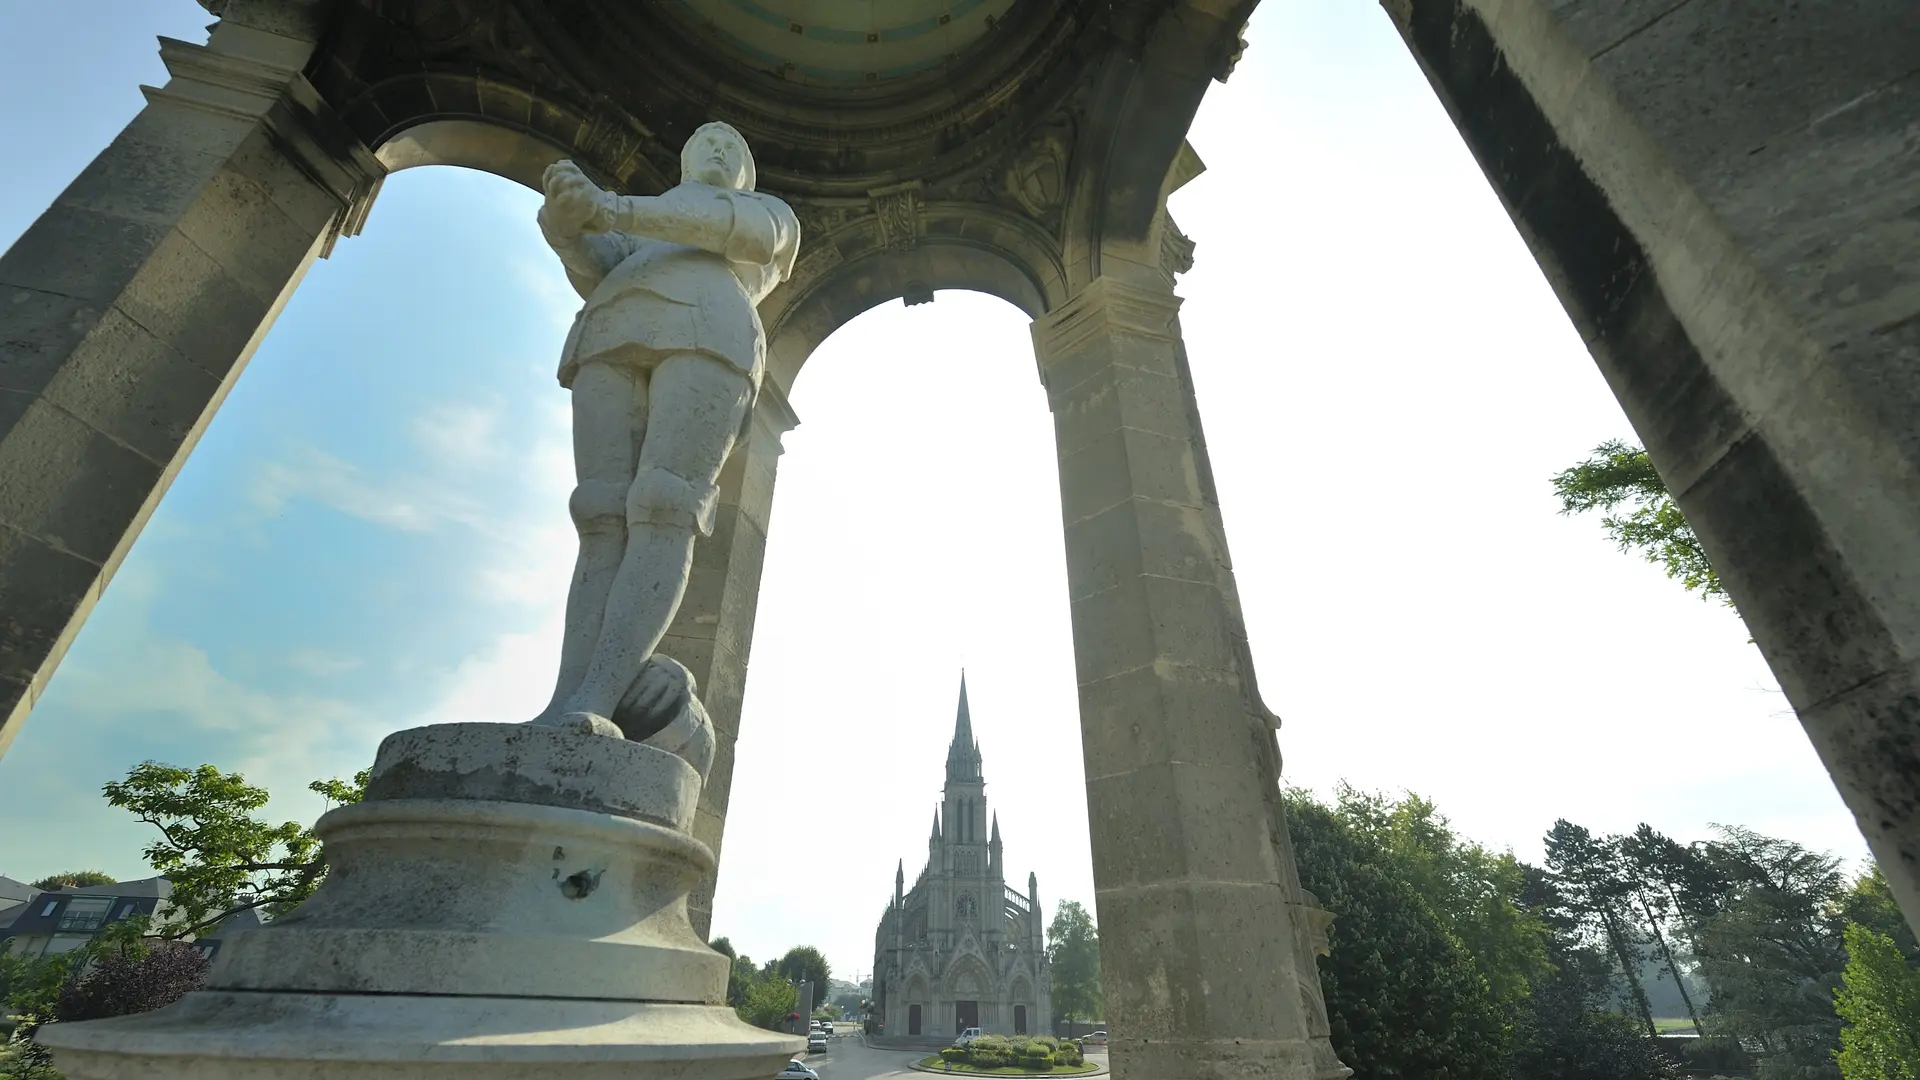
(960,949)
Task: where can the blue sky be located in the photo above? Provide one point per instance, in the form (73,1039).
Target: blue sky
(372,533)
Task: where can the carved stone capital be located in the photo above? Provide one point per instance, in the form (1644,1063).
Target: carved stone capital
(1107,306)
(253,76)
(773,415)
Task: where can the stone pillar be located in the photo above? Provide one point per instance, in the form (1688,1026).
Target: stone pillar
(1192,875)
(128,309)
(713,631)
(1722,197)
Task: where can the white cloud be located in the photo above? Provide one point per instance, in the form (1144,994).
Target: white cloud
(279,741)
(404,502)
(461,435)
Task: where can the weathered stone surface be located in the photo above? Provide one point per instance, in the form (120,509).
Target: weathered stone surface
(214,1035)
(1195,893)
(469,897)
(544,766)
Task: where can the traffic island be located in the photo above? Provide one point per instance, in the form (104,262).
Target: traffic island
(938,1064)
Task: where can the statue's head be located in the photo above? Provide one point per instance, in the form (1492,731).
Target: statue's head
(718,155)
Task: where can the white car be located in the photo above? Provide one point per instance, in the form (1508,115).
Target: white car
(817,1042)
(1098,1038)
(797,1070)
(966,1038)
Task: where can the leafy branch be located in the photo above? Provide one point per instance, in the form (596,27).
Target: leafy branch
(1621,477)
(220,857)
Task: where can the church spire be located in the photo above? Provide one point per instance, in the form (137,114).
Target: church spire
(963,754)
(936,827)
(996,829)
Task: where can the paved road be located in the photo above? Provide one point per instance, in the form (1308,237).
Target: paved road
(848,1058)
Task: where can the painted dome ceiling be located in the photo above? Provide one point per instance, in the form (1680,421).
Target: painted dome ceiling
(843,43)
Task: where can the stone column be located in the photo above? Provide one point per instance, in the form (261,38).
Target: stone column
(1193,877)
(128,309)
(713,631)
(1722,197)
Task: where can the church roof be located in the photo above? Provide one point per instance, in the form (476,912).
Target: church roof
(963,754)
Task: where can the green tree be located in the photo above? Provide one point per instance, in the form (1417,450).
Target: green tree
(1640,514)
(220,857)
(75,879)
(1647,854)
(741,975)
(1879,1001)
(804,963)
(1870,903)
(1073,955)
(1474,891)
(1404,998)
(1596,884)
(768,1002)
(1774,951)
(1564,1030)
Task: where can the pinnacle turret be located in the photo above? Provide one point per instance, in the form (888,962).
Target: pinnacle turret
(936,824)
(995,842)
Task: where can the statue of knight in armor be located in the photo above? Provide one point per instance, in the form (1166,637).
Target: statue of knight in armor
(664,362)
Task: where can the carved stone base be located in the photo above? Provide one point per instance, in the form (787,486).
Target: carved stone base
(508,900)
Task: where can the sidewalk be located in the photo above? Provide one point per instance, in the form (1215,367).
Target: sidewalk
(908,1042)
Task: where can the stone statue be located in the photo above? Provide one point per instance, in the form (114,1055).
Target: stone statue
(664,362)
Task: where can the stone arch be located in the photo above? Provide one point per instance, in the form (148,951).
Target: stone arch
(517,155)
(967,977)
(855,264)
(495,122)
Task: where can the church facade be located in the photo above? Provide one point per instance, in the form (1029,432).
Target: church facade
(960,949)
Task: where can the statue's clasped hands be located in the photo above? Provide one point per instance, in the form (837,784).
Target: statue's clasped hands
(575,203)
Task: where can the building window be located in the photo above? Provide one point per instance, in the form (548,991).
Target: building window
(124,912)
(85,913)
(48,910)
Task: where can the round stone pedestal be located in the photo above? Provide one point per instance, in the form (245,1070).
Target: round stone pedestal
(227,1035)
(508,900)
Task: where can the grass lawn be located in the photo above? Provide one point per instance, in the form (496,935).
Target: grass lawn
(935,1062)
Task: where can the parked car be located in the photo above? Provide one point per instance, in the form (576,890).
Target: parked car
(817,1042)
(1098,1038)
(966,1038)
(797,1070)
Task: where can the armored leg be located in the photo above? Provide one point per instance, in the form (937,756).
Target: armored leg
(695,407)
(609,421)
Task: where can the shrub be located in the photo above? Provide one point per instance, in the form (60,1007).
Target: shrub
(953,1053)
(988,1059)
(132,981)
(1037,1059)
(1068,1054)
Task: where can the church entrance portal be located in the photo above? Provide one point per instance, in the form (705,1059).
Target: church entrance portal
(1019,1019)
(968,1014)
(913,1019)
